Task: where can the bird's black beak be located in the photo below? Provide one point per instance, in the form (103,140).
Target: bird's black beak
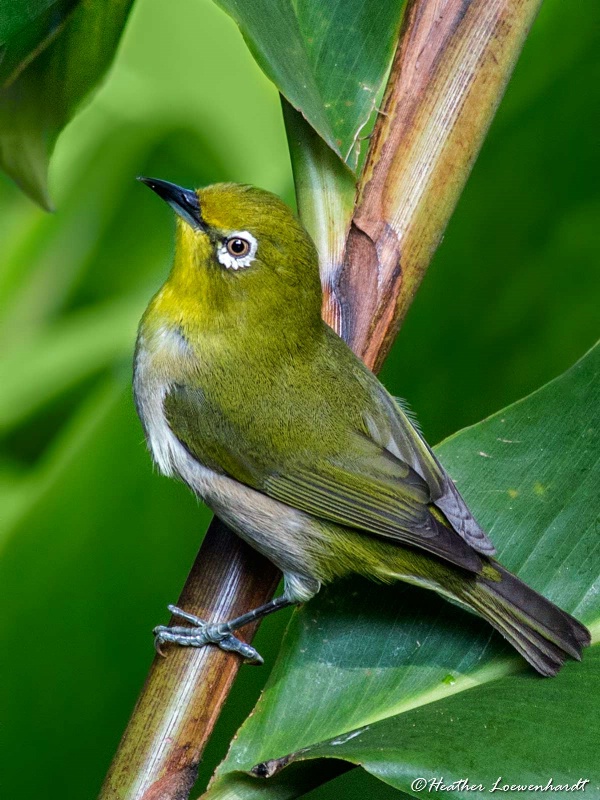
(183,201)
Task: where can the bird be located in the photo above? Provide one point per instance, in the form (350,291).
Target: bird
(247,396)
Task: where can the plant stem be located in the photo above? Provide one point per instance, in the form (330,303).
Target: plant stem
(452,64)
(179,705)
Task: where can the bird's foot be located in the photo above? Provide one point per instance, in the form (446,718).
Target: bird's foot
(203,633)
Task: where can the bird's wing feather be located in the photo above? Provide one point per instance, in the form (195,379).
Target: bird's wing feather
(366,488)
(356,499)
(394,431)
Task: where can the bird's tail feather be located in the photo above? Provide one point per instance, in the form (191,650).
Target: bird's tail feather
(543,633)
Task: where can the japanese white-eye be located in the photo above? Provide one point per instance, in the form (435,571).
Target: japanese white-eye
(247,396)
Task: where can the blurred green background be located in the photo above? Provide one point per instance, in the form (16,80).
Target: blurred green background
(93,545)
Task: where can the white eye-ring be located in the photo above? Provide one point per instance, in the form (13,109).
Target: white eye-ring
(238,250)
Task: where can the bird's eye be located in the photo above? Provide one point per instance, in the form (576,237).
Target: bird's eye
(237,251)
(238,247)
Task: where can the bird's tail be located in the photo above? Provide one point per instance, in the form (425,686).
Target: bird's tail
(543,633)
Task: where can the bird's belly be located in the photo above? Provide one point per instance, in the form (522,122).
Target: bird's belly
(286,536)
(289,538)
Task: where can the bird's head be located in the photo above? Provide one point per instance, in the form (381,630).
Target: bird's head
(240,252)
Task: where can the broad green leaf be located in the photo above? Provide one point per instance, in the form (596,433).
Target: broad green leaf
(361,654)
(517,731)
(41,100)
(15,15)
(25,29)
(328,59)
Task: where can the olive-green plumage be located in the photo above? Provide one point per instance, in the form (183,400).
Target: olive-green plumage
(249,397)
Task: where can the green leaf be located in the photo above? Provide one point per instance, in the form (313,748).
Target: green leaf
(365,655)
(25,29)
(16,15)
(518,731)
(41,100)
(328,59)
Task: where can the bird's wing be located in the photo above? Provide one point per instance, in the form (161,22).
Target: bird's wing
(366,487)
(373,492)
(393,429)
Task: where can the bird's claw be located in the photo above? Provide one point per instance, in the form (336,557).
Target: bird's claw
(201,634)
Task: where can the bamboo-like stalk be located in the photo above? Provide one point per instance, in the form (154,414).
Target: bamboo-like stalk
(184,692)
(452,64)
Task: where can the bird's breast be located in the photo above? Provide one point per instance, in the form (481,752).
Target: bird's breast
(163,358)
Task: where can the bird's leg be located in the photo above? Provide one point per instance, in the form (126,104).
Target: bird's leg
(219,633)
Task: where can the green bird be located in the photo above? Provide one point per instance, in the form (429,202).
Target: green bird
(249,398)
